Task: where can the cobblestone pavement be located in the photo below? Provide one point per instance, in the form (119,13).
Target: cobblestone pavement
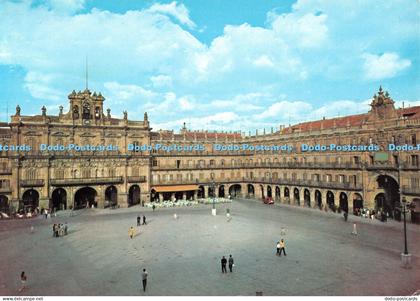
(183,255)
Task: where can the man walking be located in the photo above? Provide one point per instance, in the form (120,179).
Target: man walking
(138,220)
(230,263)
(282,247)
(144,220)
(144,278)
(224,262)
(278,248)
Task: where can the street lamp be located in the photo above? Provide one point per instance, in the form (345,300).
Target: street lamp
(405,257)
(213,186)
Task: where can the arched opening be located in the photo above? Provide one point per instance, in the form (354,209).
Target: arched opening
(296,196)
(318,199)
(269,193)
(30,200)
(59,199)
(178,195)
(307,197)
(357,204)
(251,190)
(390,199)
(344,205)
(415,211)
(85,198)
(330,200)
(134,195)
(262,191)
(235,190)
(211,192)
(200,192)
(277,193)
(221,191)
(4,204)
(190,195)
(167,196)
(111,197)
(154,196)
(287,195)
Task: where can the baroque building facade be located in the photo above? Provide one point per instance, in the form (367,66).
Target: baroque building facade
(125,172)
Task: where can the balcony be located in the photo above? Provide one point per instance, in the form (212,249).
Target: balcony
(87,181)
(411,190)
(32,183)
(136,179)
(5,172)
(5,189)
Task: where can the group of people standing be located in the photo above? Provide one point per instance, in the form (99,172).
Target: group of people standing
(225,261)
(59,230)
(132,231)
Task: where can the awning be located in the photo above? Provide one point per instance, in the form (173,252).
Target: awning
(175,188)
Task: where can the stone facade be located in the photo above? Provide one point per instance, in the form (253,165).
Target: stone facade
(119,177)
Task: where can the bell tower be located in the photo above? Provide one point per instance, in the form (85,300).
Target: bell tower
(86,108)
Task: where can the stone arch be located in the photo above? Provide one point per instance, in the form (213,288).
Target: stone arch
(269,191)
(357,203)
(201,192)
(221,191)
(85,197)
(296,196)
(111,196)
(251,190)
(391,194)
(59,199)
(318,199)
(343,202)
(277,193)
(4,204)
(134,195)
(330,200)
(235,190)
(30,200)
(307,197)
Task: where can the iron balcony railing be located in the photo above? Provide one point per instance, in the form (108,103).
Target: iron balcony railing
(136,179)
(32,183)
(87,181)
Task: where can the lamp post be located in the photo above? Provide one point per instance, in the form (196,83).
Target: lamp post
(213,210)
(405,257)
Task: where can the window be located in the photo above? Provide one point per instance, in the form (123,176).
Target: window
(294,176)
(415,160)
(97,113)
(179,177)
(135,171)
(178,164)
(111,173)
(342,178)
(413,139)
(354,179)
(304,176)
(329,178)
(154,163)
(356,159)
(59,174)
(316,177)
(415,183)
(212,163)
(396,161)
(372,161)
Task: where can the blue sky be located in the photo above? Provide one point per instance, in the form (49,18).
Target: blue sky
(217,65)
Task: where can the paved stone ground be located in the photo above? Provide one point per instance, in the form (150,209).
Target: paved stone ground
(183,255)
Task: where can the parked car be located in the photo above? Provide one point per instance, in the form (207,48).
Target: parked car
(268,200)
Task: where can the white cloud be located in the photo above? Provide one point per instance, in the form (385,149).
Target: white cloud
(161,81)
(263,61)
(39,85)
(178,11)
(383,66)
(65,6)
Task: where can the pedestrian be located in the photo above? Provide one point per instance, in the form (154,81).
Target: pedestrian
(131,232)
(230,263)
(228,217)
(282,247)
(223,262)
(144,278)
(46,213)
(278,248)
(345,216)
(153,207)
(32,229)
(354,232)
(54,227)
(144,220)
(138,220)
(175,216)
(65,228)
(23,279)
